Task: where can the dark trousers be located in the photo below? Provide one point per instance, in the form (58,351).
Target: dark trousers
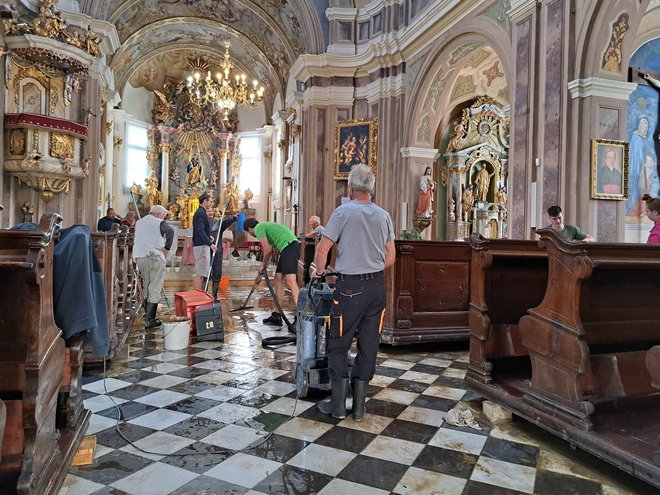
(358,308)
(216,267)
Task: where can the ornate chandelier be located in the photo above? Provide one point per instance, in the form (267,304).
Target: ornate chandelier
(222,91)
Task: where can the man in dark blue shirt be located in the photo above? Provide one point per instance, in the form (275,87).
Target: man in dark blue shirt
(108,221)
(202,240)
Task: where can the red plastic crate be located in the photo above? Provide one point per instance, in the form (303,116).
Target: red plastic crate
(186,302)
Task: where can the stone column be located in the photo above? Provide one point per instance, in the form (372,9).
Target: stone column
(165,149)
(523,16)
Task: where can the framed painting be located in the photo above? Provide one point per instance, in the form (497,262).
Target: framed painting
(355,143)
(609,169)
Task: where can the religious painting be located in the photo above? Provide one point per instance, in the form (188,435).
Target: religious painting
(609,169)
(355,143)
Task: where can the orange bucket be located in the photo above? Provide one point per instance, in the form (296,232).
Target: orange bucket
(224,283)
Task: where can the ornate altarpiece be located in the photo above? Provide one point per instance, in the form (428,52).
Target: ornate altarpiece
(197,151)
(476,172)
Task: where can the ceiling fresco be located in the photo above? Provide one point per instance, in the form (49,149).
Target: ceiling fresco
(159,37)
(269,17)
(145,50)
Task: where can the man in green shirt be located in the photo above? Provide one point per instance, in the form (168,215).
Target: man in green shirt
(276,236)
(571,232)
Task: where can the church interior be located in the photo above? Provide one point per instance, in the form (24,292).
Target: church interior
(512,360)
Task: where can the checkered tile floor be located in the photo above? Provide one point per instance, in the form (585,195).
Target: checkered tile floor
(214,404)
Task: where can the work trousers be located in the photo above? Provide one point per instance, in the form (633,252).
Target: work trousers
(358,308)
(216,266)
(152,269)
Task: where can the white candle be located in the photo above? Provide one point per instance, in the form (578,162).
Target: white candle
(404,216)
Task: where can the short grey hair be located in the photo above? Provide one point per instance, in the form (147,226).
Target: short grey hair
(362,179)
(315,218)
(158,210)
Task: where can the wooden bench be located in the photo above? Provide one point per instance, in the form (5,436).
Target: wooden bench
(507,278)
(3,422)
(107,252)
(307,250)
(37,370)
(127,306)
(307,253)
(428,293)
(132,281)
(653,365)
(588,339)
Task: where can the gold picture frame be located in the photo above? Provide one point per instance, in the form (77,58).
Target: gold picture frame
(356,142)
(609,169)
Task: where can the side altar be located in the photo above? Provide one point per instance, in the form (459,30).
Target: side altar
(475,175)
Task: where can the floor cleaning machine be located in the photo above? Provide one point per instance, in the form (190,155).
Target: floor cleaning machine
(314,302)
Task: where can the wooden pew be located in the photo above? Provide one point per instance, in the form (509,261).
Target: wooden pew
(132,281)
(507,278)
(589,336)
(307,252)
(428,292)
(122,279)
(653,365)
(107,252)
(307,249)
(36,448)
(3,422)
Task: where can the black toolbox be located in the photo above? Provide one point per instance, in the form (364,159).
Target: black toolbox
(208,322)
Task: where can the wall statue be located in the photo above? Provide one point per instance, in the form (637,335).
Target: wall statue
(482,183)
(28,211)
(425,195)
(467,202)
(232,195)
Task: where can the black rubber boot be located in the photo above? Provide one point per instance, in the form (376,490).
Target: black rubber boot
(150,318)
(336,406)
(359,398)
(214,290)
(274,319)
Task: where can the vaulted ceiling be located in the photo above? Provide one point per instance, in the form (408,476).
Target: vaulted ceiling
(159,37)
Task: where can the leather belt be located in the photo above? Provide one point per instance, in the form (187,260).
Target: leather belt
(362,276)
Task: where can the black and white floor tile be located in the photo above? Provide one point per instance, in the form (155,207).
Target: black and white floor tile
(223,418)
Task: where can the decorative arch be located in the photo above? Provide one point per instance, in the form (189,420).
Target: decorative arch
(482,30)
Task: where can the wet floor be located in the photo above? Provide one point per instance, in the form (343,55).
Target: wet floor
(223,417)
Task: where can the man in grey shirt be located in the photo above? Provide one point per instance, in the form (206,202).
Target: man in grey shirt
(364,236)
(314,223)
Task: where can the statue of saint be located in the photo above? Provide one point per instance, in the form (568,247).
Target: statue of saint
(467,202)
(483,183)
(153,194)
(425,195)
(28,211)
(232,196)
(501,198)
(247,197)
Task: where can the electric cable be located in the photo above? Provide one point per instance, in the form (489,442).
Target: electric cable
(219,449)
